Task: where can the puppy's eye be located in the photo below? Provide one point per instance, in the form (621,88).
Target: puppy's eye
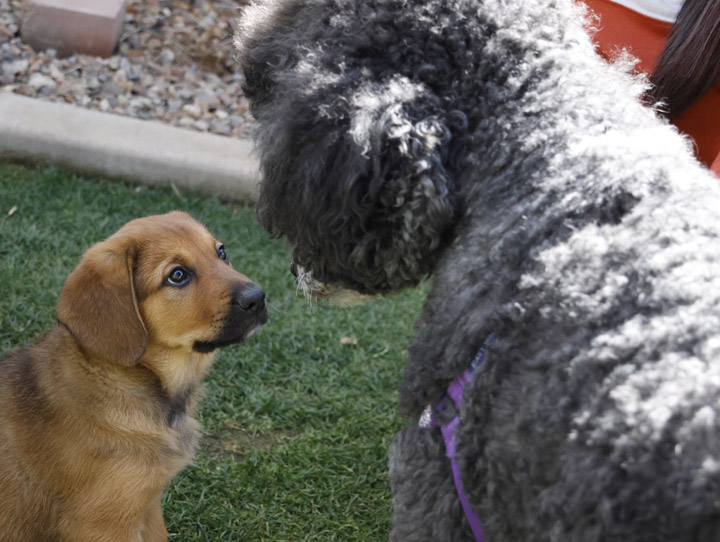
(179,276)
(220,249)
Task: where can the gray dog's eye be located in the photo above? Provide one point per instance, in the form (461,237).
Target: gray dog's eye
(179,276)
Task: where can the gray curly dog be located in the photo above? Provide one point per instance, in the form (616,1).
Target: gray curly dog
(485,144)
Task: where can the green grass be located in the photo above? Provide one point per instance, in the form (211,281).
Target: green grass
(297,421)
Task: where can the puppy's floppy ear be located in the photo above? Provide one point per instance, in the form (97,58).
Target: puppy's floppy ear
(98,304)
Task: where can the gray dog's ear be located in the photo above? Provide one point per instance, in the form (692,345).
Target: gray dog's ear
(99,307)
(359,184)
(399,187)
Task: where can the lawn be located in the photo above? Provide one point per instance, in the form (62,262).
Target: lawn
(298,420)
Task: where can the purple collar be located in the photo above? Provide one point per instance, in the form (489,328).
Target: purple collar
(454,395)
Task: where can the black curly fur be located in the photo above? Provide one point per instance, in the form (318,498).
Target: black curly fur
(484,143)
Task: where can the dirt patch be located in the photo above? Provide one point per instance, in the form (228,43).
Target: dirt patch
(238,443)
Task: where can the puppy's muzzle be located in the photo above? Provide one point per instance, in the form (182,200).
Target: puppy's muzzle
(247,313)
(250,298)
(247,309)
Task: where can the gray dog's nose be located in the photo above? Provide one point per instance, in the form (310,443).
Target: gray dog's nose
(250,298)
(294,269)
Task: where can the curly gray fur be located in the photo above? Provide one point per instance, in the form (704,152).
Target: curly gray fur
(485,144)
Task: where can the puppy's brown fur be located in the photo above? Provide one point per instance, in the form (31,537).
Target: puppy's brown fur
(96,415)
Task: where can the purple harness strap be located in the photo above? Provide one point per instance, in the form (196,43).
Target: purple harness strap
(454,394)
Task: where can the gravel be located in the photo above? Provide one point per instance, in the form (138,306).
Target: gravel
(174,63)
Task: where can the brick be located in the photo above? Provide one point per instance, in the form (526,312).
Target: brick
(73,26)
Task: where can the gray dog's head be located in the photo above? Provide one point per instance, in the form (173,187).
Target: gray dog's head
(354,152)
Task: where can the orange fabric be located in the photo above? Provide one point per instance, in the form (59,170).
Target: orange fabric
(622,28)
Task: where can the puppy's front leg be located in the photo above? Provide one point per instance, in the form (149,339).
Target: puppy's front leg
(96,518)
(155,530)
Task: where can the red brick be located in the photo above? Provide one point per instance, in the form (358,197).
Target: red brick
(73,26)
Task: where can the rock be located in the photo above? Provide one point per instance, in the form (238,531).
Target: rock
(201,125)
(222,128)
(185,122)
(166,57)
(174,105)
(38,81)
(207,101)
(192,110)
(14,67)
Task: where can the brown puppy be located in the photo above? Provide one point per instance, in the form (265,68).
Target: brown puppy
(96,415)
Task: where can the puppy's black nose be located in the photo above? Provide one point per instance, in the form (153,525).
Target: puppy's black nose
(294,269)
(250,298)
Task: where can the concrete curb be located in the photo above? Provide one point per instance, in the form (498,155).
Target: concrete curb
(119,147)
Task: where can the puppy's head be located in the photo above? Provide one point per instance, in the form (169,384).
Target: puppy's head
(161,283)
(355,155)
